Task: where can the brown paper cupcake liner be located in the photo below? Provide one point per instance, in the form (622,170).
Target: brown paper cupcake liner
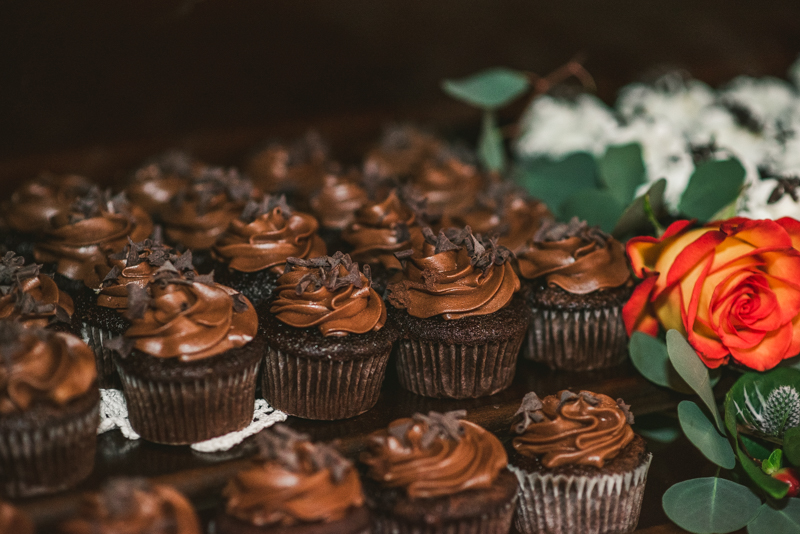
(496,522)
(457,371)
(559,504)
(180,412)
(95,337)
(321,388)
(48,454)
(577,340)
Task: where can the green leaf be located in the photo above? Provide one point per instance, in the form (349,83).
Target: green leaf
(766,403)
(634,220)
(777,518)
(712,186)
(553,181)
(488,89)
(621,170)
(649,356)
(754,449)
(705,505)
(773,463)
(490,145)
(701,432)
(658,427)
(791,445)
(692,369)
(595,206)
(772,486)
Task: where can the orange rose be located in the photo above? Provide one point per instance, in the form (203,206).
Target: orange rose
(731,287)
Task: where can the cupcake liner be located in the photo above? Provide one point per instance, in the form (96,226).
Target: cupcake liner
(559,504)
(321,388)
(577,340)
(457,371)
(41,455)
(180,412)
(496,522)
(96,337)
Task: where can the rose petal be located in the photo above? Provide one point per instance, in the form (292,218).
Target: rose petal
(773,348)
(637,313)
(764,233)
(792,227)
(644,251)
(687,251)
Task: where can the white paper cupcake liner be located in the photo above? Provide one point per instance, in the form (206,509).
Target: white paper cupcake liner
(559,504)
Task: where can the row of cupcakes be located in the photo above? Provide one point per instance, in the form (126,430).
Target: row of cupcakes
(573,465)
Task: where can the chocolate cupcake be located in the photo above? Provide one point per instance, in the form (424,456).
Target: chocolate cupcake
(380,229)
(252,252)
(577,281)
(335,206)
(101,314)
(437,474)
(49,406)
(26,216)
(95,225)
(328,340)
(462,325)
(448,182)
(133,506)
(580,466)
(202,211)
(159,180)
(294,487)
(189,361)
(402,151)
(13,521)
(30,298)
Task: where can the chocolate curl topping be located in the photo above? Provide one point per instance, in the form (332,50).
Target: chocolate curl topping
(326,273)
(119,495)
(153,252)
(555,231)
(626,409)
(121,345)
(440,426)
(13,270)
(530,411)
(212,182)
(440,242)
(95,202)
(254,209)
(138,301)
(283,445)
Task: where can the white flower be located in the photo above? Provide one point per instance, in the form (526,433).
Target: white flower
(756,206)
(671,100)
(768,98)
(557,127)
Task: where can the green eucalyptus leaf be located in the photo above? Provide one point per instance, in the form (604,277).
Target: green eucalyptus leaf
(699,429)
(649,356)
(490,145)
(777,518)
(706,505)
(658,427)
(766,403)
(772,463)
(553,181)
(621,170)
(596,206)
(772,486)
(791,445)
(754,448)
(488,89)
(634,220)
(692,369)
(712,186)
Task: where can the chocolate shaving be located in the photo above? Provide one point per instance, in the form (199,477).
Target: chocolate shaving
(157,236)
(120,344)
(184,262)
(325,272)
(565,397)
(239,303)
(440,426)
(13,270)
(555,231)
(589,398)
(326,457)
(440,242)
(626,409)
(138,301)
(254,209)
(207,279)
(530,411)
(119,496)
(294,452)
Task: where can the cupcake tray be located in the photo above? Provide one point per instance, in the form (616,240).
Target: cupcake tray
(201,476)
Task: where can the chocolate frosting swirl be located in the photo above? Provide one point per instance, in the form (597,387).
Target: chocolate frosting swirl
(134,506)
(184,316)
(199,213)
(136,264)
(12,521)
(402,152)
(454,275)
(381,229)
(338,200)
(569,429)
(96,225)
(329,293)
(31,298)
(41,366)
(574,257)
(300,167)
(293,482)
(156,183)
(34,203)
(449,184)
(434,455)
(266,234)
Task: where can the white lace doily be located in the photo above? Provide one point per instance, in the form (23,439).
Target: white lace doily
(114,414)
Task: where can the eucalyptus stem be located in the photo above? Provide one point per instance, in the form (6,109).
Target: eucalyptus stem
(651,216)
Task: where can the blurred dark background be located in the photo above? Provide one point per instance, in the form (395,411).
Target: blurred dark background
(95,85)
